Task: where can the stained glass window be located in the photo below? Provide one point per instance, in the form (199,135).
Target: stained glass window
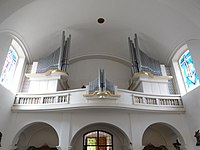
(189,73)
(9,67)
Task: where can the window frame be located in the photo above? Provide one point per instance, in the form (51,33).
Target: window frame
(15,85)
(7,84)
(179,80)
(85,145)
(181,70)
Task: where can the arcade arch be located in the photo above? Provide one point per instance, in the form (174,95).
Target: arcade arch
(120,139)
(36,135)
(162,134)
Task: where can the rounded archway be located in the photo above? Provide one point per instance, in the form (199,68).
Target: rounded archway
(115,138)
(36,135)
(162,135)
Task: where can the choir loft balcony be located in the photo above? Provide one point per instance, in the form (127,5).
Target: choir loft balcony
(48,80)
(79,99)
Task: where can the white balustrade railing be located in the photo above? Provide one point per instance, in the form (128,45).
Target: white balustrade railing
(75,99)
(42,98)
(169,100)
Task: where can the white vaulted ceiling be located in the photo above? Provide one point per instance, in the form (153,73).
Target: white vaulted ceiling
(161,25)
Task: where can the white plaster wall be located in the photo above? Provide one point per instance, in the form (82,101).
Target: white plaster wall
(192,104)
(67,124)
(84,71)
(192,99)
(194,47)
(38,134)
(6,97)
(118,119)
(21,120)
(6,102)
(119,140)
(143,120)
(160,134)
(153,137)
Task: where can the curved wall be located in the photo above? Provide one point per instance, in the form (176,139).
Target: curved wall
(37,134)
(120,139)
(192,98)
(162,134)
(84,71)
(6,97)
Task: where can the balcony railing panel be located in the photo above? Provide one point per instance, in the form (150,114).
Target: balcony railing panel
(42,99)
(74,99)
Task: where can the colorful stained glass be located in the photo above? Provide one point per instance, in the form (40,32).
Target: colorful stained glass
(9,67)
(189,73)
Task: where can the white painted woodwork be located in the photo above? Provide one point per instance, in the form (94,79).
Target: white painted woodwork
(42,83)
(150,84)
(73,99)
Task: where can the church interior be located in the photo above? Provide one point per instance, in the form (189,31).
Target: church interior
(99,75)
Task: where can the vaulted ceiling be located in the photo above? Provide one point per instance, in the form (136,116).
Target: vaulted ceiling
(162,25)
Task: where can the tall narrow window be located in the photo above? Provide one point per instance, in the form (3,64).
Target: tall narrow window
(9,67)
(189,73)
(98,140)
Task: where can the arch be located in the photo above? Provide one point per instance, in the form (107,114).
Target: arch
(32,135)
(119,136)
(20,40)
(18,46)
(161,133)
(98,138)
(176,49)
(116,71)
(101,56)
(176,53)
